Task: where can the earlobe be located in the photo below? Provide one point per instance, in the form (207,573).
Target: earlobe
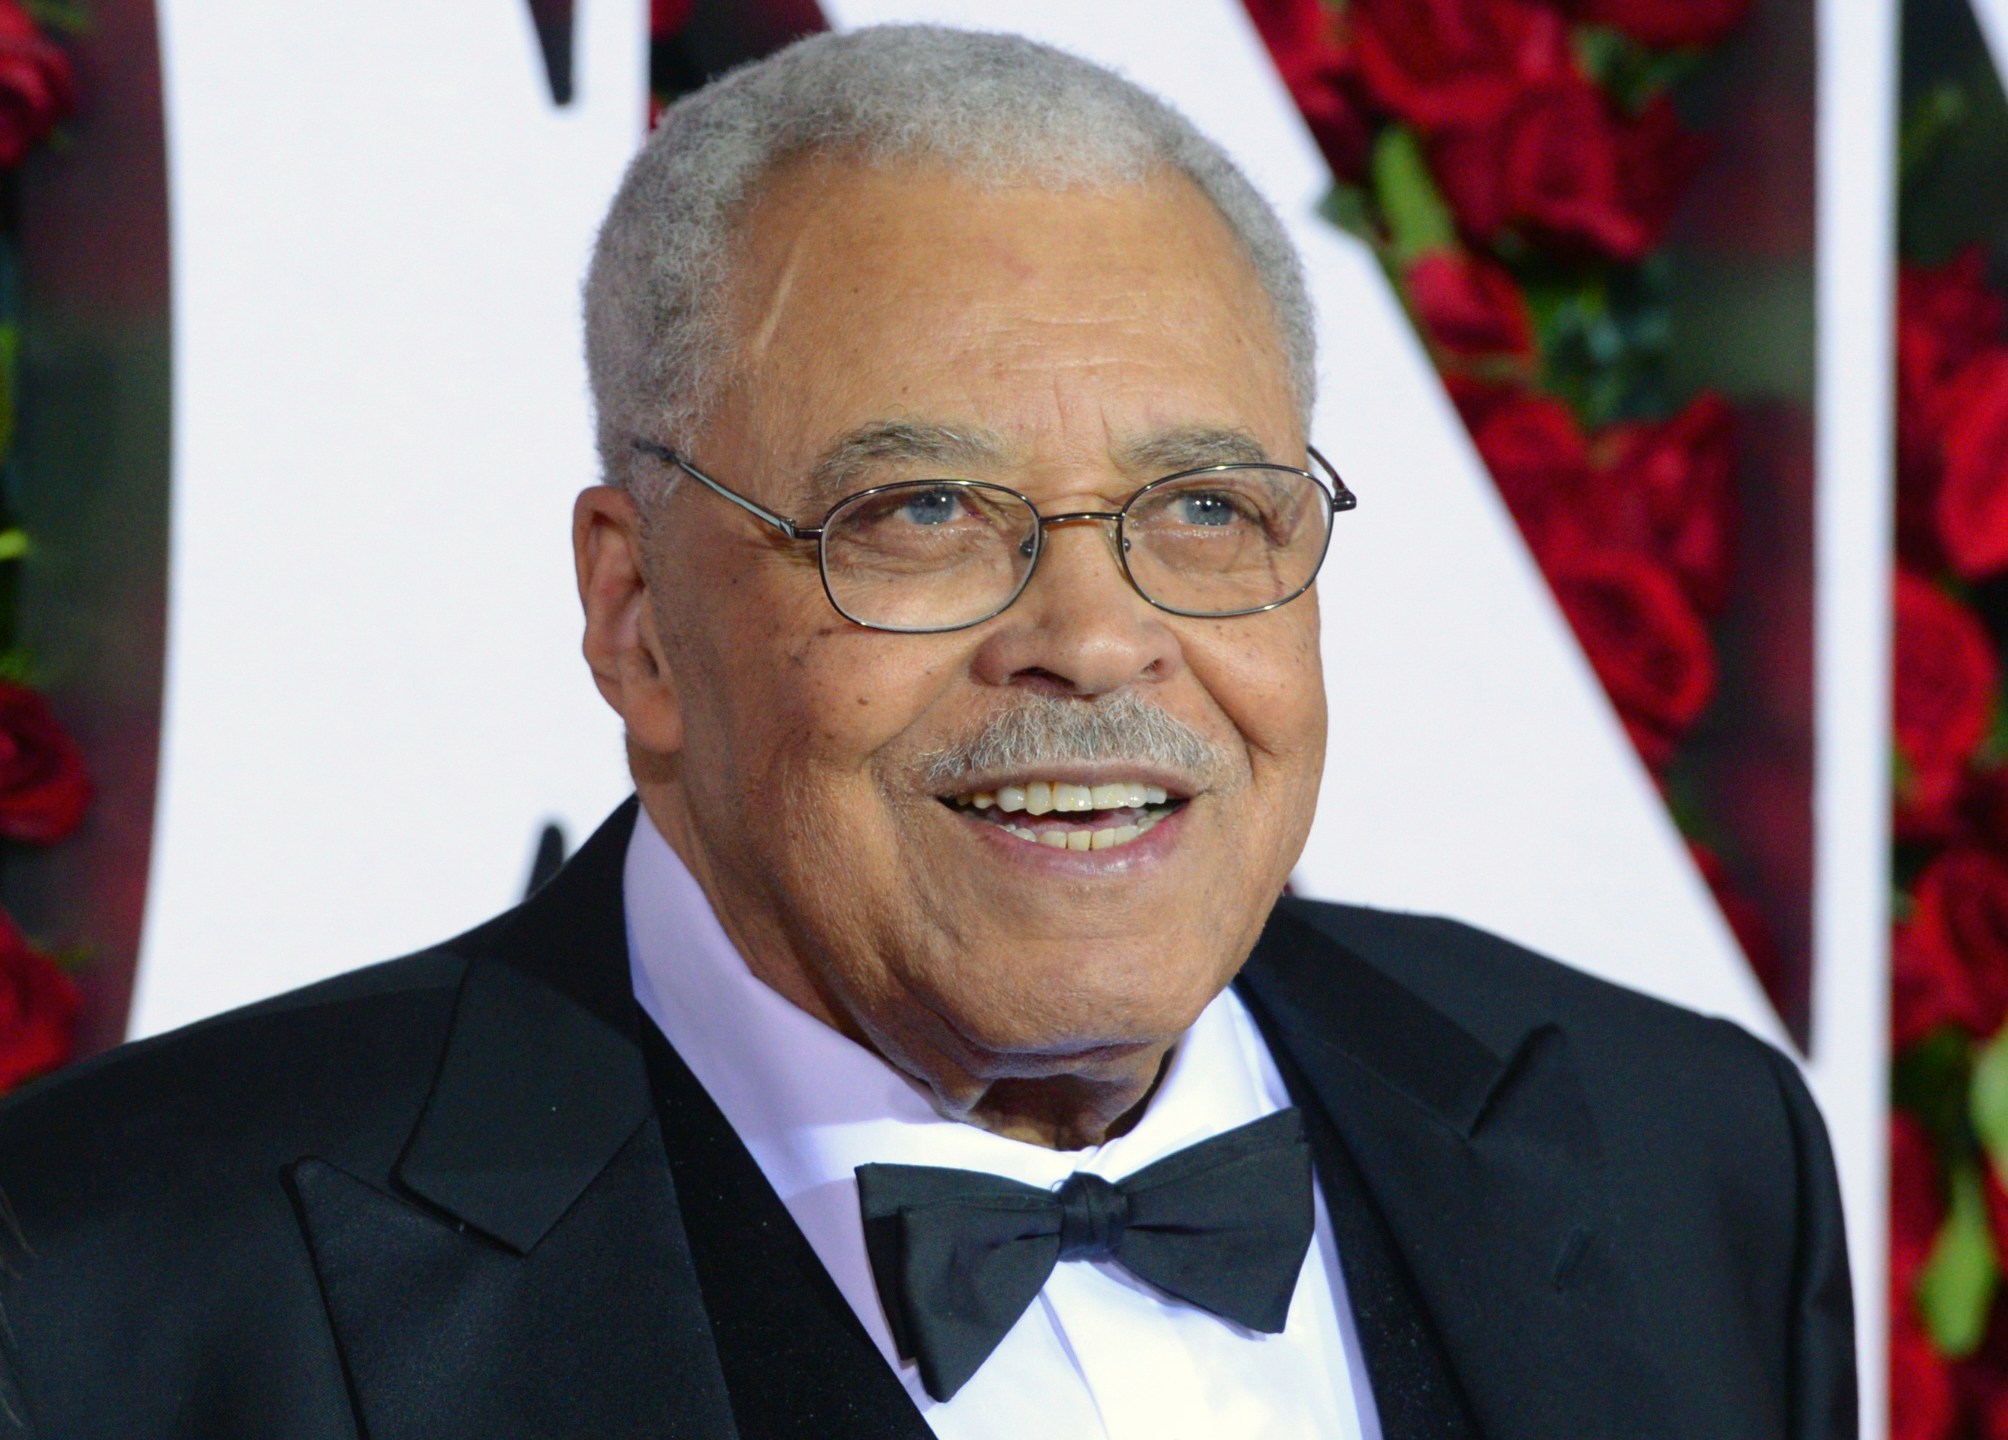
(620,645)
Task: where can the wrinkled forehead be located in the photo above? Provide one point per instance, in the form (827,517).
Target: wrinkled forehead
(865,295)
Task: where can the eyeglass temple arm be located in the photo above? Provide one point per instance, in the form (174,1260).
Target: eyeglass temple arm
(758,511)
(1342,497)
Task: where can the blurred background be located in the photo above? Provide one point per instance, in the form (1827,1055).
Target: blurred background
(1665,341)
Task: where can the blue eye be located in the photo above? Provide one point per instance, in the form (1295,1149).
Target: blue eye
(930,507)
(1204,507)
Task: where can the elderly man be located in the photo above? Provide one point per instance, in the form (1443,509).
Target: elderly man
(926,1051)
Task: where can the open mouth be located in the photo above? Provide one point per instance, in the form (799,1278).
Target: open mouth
(1066,816)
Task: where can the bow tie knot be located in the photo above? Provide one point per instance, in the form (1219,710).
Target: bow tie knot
(1093,1216)
(958,1255)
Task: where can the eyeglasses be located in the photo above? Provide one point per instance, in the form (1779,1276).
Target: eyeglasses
(924,556)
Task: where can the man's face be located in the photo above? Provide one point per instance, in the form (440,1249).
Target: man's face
(903,324)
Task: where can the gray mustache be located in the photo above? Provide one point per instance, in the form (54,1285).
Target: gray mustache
(1044,731)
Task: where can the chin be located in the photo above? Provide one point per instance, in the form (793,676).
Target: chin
(1062,1013)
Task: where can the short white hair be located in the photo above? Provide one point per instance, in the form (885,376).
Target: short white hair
(999,109)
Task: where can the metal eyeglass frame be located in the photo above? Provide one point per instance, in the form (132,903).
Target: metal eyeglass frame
(1337,496)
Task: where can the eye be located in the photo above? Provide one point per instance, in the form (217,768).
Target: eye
(931,507)
(1206,507)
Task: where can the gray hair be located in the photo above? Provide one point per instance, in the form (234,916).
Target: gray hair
(1040,731)
(997,108)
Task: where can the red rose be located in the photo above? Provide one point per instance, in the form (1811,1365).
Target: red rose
(1304,40)
(1946,673)
(1550,162)
(1950,959)
(1916,1203)
(1476,399)
(1440,63)
(1469,306)
(1922,1404)
(1665,24)
(43,788)
(1946,316)
(1540,461)
(1648,645)
(1672,485)
(1971,504)
(1564,164)
(1658,158)
(1327,92)
(38,1010)
(37,85)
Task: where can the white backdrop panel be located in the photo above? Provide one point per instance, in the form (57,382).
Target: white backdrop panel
(374,696)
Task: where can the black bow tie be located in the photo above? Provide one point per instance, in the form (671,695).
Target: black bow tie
(959,1254)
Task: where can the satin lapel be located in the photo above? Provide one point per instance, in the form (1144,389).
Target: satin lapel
(797,1361)
(523,1270)
(1487,1169)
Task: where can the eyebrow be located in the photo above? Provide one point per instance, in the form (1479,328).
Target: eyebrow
(870,447)
(1188,447)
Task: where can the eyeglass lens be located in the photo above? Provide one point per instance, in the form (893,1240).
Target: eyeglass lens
(937,554)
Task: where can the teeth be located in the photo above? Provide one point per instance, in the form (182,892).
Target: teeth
(1042,797)
(1104,839)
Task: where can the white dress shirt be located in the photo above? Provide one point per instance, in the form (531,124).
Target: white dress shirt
(1099,1355)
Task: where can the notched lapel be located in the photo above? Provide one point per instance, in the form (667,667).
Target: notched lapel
(534,1095)
(543,1079)
(598,1331)
(1488,1171)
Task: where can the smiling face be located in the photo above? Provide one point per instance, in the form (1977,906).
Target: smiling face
(1017,859)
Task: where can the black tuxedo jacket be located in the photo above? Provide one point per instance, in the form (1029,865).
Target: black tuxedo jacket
(466,1195)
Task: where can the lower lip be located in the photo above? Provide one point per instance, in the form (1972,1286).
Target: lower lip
(1149,848)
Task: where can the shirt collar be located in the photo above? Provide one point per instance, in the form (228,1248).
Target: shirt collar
(812,1105)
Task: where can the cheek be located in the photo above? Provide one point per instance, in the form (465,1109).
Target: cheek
(834,699)
(1268,678)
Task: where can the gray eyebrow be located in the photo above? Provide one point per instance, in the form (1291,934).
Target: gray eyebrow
(1188,447)
(945,449)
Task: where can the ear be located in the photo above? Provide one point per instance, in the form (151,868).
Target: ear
(621,645)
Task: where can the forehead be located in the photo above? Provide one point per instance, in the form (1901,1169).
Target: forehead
(862,294)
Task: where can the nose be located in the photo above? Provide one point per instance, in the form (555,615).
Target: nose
(1079,628)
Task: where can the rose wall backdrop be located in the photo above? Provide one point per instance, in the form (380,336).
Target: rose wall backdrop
(1525,172)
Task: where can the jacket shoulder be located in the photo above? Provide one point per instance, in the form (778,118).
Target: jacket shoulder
(336,1068)
(1498,990)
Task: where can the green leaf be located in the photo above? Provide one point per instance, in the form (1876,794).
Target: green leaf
(1932,1078)
(1346,206)
(1931,121)
(1418,220)
(65,17)
(1987,1099)
(1957,1284)
(13,543)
